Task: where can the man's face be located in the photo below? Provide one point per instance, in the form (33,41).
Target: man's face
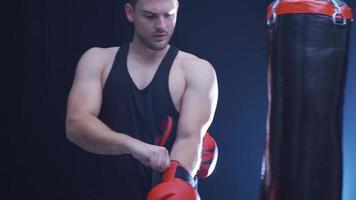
(154,21)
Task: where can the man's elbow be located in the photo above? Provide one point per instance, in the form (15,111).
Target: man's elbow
(70,129)
(194,138)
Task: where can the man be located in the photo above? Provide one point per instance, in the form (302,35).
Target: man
(120,95)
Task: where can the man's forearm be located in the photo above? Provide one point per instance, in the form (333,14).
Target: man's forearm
(91,134)
(187,151)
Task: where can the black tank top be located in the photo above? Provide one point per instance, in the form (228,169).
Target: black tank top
(138,113)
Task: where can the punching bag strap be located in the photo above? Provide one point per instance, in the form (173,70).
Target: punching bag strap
(336,9)
(272,20)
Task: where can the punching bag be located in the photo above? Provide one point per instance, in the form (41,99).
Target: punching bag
(307,64)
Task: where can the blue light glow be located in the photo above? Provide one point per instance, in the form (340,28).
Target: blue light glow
(349,140)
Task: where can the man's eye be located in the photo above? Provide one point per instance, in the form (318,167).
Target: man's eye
(150,16)
(168,15)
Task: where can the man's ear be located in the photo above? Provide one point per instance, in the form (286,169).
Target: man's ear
(130,12)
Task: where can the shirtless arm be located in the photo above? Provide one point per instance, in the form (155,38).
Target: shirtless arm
(196,114)
(84,128)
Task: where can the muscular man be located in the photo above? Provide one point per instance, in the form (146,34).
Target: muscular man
(120,95)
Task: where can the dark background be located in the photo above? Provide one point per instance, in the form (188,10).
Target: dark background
(45,40)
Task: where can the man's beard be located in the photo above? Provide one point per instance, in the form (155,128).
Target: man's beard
(152,45)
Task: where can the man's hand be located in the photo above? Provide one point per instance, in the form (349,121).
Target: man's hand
(153,156)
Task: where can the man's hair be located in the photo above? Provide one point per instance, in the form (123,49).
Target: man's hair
(132,2)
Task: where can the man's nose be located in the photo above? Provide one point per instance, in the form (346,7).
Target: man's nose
(160,23)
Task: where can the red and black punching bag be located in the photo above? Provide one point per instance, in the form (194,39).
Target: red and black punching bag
(307,65)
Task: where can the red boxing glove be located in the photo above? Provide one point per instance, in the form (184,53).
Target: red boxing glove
(209,157)
(209,154)
(177,184)
(166,129)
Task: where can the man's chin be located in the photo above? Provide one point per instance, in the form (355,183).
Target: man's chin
(157,46)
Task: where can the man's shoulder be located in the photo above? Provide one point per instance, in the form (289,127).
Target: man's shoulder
(99,55)
(192,64)
(100,51)
(198,73)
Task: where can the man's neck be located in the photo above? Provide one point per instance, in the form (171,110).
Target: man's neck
(144,53)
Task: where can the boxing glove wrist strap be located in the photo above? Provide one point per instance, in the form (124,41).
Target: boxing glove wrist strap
(176,170)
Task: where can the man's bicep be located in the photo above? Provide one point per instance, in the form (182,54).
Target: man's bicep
(194,114)
(86,91)
(85,96)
